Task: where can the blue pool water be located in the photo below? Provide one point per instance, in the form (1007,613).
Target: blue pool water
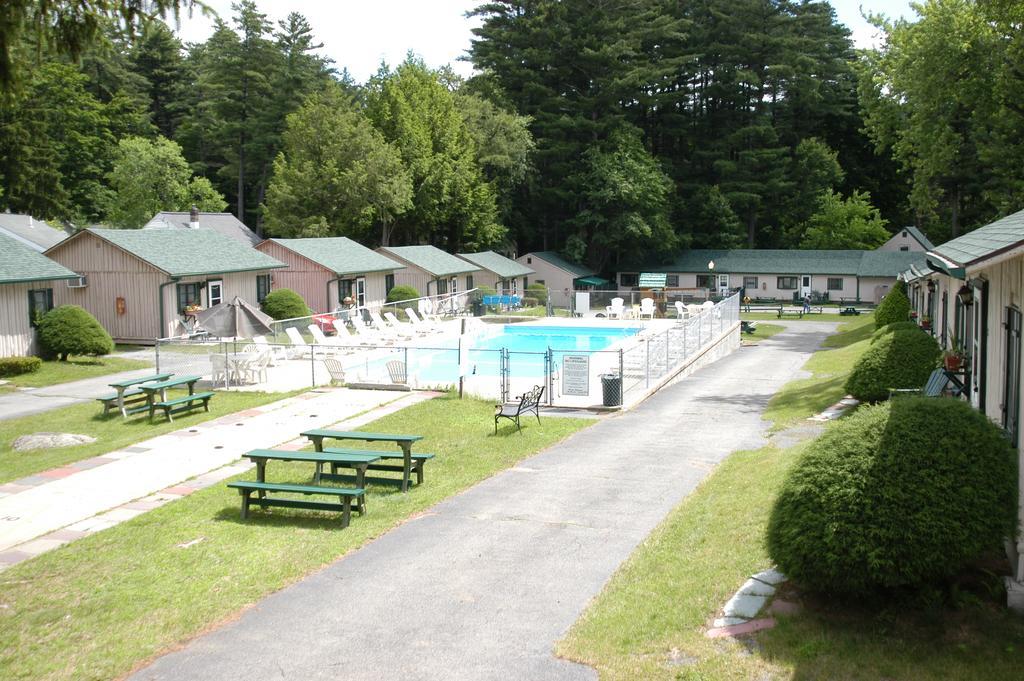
(526,344)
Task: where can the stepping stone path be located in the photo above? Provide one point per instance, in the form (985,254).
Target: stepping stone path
(740,614)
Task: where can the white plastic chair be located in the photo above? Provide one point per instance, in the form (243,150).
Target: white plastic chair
(419,323)
(396,370)
(255,369)
(322,340)
(342,328)
(335,369)
(616,310)
(276,352)
(388,330)
(681,311)
(220,373)
(647,308)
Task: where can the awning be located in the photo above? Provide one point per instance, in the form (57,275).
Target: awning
(592,280)
(652,280)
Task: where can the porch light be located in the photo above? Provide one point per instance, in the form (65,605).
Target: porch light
(711,265)
(966,295)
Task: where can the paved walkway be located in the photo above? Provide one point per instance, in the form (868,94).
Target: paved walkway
(38,400)
(485,584)
(69,499)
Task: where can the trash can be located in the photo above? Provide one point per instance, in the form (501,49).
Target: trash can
(611,388)
(477,306)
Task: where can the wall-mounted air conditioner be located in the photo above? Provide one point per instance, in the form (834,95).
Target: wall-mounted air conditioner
(78,282)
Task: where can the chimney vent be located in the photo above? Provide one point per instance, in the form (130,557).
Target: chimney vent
(193,218)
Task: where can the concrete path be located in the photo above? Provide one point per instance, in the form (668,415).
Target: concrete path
(485,584)
(74,494)
(38,400)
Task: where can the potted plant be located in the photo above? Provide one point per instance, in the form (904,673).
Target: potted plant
(953,356)
(913,315)
(926,323)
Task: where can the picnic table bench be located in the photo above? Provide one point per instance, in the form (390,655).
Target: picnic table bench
(747,327)
(345,496)
(409,461)
(178,404)
(528,402)
(129,389)
(356,460)
(799,312)
(762,308)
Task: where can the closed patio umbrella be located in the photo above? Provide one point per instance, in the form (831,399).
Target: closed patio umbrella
(236,319)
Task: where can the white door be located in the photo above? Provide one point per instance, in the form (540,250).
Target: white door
(723,284)
(805,285)
(214,293)
(361,292)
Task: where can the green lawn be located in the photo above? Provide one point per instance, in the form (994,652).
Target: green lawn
(98,606)
(670,589)
(825,316)
(111,432)
(75,369)
(763,331)
(803,398)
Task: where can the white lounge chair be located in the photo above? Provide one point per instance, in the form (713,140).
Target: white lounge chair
(276,352)
(404,328)
(331,345)
(647,308)
(419,323)
(388,330)
(357,339)
(369,335)
(616,310)
(300,347)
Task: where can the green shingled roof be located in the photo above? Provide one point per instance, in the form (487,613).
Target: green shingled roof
(984,242)
(506,268)
(430,259)
(341,255)
(19,263)
(778,261)
(188,252)
(561,263)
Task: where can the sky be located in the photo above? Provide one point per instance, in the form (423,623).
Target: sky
(359,34)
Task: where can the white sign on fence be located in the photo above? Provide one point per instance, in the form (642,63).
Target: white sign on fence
(576,375)
(582,303)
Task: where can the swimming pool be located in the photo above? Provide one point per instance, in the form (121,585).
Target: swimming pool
(527,345)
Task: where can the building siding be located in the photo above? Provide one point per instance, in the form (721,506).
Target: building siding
(900,240)
(768,284)
(17,337)
(555,278)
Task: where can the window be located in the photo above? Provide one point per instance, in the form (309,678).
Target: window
(529,261)
(188,296)
(442,286)
(749,282)
(262,287)
(389,283)
(454,286)
(40,301)
(835,283)
(904,248)
(705,281)
(526,283)
(629,279)
(344,289)
(469,282)
(214,293)
(786,283)
(672,280)
(904,234)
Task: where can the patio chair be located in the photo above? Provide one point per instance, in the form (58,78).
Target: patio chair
(428,327)
(300,347)
(681,310)
(323,341)
(370,335)
(255,369)
(397,372)
(335,369)
(647,308)
(221,374)
(277,352)
(358,339)
(404,328)
(616,310)
(387,329)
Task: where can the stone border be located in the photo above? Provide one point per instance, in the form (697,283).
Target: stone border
(836,410)
(739,616)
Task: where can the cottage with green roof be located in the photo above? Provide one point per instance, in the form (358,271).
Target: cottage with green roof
(841,275)
(559,275)
(325,271)
(139,282)
(502,274)
(430,270)
(909,238)
(27,283)
(970,293)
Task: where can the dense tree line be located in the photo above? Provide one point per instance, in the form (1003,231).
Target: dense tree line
(606,130)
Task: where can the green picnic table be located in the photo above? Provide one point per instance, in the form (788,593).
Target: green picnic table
(179,404)
(410,461)
(358,461)
(128,389)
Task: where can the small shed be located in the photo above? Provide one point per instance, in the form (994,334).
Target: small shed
(500,273)
(430,270)
(27,282)
(139,282)
(325,271)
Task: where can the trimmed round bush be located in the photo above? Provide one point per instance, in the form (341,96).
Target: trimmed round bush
(538,291)
(896,496)
(401,293)
(15,366)
(895,307)
(284,303)
(902,359)
(70,330)
(894,327)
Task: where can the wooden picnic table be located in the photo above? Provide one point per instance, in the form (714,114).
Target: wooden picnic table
(357,461)
(129,386)
(151,389)
(317,436)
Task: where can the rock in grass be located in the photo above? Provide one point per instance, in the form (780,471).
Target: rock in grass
(50,441)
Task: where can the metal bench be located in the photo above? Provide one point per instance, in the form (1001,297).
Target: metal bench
(344,494)
(528,402)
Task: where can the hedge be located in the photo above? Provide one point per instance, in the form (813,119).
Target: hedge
(401,293)
(70,330)
(902,359)
(14,366)
(892,328)
(895,307)
(284,303)
(896,496)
